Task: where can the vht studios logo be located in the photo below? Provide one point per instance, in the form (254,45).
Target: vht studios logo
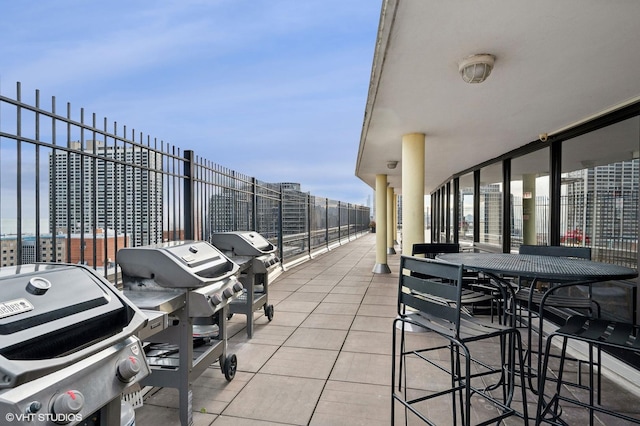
(43,417)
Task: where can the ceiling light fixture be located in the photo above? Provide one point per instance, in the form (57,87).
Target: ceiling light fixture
(476,68)
(392,164)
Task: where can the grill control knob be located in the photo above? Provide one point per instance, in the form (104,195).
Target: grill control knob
(34,407)
(70,402)
(128,368)
(238,286)
(228,292)
(216,299)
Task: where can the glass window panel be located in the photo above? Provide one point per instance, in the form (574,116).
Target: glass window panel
(599,192)
(465,200)
(530,199)
(490,220)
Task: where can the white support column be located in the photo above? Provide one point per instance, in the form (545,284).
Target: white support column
(381,266)
(529,234)
(412,190)
(390,238)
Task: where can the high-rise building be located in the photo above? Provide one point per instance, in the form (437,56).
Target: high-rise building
(231,210)
(294,209)
(601,202)
(108,187)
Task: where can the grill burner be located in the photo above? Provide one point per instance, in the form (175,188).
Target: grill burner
(63,328)
(181,285)
(257,258)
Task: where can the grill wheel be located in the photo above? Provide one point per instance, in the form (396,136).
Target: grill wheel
(230,367)
(268,311)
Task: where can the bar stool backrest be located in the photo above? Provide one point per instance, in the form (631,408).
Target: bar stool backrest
(433,288)
(430,250)
(558,251)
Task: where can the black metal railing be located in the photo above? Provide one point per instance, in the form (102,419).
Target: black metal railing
(76,189)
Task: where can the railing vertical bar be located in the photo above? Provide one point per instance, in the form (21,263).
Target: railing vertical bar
(80,158)
(173,187)
(308,211)
(125,192)
(157,193)
(69,183)
(118,206)
(94,198)
(280,236)
(326,222)
(165,193)
(19,176)
(132,217)
(105,206)
(181,211)
(145,191)
(53,211)
(38,257)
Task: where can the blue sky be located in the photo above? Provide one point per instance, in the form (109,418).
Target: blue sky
(275,89)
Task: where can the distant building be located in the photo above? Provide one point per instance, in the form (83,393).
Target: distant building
(294,209)
(602,201)
(30,249)
(102,192)
(82,248)
(232,209)
(75,249)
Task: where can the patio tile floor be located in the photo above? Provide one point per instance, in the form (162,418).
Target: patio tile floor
(325,359)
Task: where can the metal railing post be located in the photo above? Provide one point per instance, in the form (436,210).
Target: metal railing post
(19,177)
(280,227)
(339,223)
(326,222)
(308,198)
(254,204)
(189,187)
(348,221)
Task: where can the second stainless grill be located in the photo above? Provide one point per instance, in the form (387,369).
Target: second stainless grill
(182,285)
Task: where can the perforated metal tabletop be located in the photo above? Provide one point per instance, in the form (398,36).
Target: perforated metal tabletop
(542,267)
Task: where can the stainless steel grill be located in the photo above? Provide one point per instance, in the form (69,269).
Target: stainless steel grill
(67,346)
(182,285)
(257,258)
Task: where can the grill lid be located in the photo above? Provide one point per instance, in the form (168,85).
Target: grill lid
(243,243)
(52,315)
(176,264)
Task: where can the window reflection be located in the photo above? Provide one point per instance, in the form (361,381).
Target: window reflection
(599,192)
(490,220)
(530,199)
(465,200)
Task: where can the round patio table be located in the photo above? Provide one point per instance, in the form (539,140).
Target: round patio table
(558,271)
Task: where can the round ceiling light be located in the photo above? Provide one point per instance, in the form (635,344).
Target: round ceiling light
(476,68)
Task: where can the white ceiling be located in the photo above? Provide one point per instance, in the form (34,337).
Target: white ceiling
(558,62)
